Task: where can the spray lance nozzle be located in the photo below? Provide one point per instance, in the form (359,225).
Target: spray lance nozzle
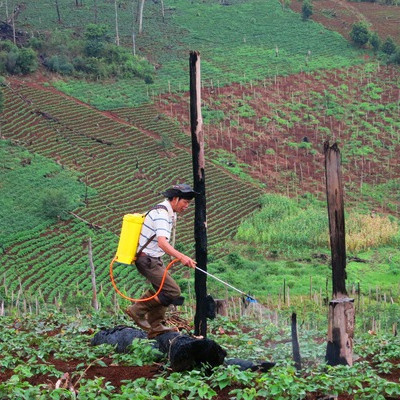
(249,298)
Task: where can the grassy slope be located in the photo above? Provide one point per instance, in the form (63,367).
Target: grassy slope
(237,44)
(26,180)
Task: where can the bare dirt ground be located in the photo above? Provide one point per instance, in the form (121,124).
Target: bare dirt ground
(339,15)
(115,374)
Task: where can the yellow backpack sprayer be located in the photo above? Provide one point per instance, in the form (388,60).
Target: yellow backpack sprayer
(129,238)
(127,252)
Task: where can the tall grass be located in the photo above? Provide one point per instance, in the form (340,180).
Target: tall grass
(366,231)
(286,225)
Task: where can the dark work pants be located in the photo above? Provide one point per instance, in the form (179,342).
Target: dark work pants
(153,269)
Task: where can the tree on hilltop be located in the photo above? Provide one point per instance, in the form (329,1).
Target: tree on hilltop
(96,36)
(360,33)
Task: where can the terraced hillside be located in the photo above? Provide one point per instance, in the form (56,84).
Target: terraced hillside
(127,166)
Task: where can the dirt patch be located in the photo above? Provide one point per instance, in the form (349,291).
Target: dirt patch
(114,374)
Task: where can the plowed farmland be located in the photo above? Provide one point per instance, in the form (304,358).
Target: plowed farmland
(128,166)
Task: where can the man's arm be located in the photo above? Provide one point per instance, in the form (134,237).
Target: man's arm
(165,246)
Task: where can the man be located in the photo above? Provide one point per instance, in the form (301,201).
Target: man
(154,242)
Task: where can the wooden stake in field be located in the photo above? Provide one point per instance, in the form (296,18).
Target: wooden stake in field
(200,225)
(341,307)
(95,303)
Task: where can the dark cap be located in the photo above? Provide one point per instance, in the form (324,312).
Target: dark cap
(182,190)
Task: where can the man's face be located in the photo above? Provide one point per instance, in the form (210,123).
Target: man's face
(180,205)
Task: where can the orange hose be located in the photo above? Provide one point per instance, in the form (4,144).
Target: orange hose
(147,298)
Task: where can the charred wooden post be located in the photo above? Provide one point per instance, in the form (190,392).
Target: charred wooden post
(221,307)
(295,343)
(200,224)
(341,308)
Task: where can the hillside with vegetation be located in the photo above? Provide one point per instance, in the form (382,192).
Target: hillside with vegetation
(95,125)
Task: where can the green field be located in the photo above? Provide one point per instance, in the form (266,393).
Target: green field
(237,44)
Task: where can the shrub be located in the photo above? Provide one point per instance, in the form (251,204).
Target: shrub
(55,203)
(3,62)
(389,46)
(35,43)
(59,64)
(94,48)
(395,58)
(79,64)
(97,36)
(306,10)
(8,45)
(166,142)
(359,33)
(375,42)
(27,61)
(97,32)
(21,61)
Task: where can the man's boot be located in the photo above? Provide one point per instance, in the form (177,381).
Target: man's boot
(156,318)
(139,310)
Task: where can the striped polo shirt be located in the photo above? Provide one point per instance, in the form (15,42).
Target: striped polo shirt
(159,222)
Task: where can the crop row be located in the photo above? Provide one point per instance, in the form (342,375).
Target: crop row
(127,176)
(148,117)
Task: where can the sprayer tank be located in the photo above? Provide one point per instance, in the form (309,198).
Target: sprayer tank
(129,238)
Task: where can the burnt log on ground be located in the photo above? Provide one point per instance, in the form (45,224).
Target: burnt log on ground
(183,351)
(262,366)
(121,336)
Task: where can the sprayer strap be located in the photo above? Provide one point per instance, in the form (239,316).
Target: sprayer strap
(156,207)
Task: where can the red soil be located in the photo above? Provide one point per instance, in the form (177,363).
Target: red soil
(116,374)
(268,148)
(339,16)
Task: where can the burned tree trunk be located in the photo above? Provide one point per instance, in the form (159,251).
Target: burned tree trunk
(200,225)
(295,343)
(341,308)
(58,12)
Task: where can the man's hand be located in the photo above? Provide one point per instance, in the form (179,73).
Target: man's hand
(185,260)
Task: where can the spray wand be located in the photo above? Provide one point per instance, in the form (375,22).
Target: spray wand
(227,284)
